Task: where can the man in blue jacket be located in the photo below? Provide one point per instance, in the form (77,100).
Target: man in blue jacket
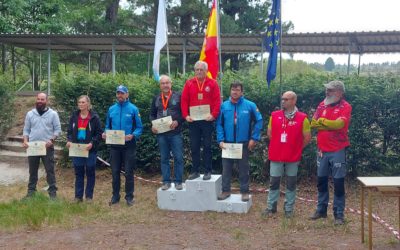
(123,115)
(239,122)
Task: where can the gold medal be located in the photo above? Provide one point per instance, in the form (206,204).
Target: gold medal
(200,96)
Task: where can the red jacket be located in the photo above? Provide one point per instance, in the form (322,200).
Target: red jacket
(210,92)
(334,140)
(289,151)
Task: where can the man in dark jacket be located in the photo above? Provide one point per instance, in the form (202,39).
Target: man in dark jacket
(125,116)
(165,105)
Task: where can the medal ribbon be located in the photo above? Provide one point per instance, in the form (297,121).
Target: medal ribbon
(165,102)
(200,87)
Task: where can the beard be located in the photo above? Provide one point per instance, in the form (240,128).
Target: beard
(40,106)
(330,99)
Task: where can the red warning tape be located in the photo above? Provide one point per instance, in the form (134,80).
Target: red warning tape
(375,217)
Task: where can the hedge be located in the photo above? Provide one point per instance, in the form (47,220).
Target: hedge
(374,129)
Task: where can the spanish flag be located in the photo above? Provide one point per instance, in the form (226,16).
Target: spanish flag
(209,52)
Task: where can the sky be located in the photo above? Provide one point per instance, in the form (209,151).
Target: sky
(343,16)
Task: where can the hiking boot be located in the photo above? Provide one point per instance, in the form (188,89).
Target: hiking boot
(245,197)
(289,214)
(130,202)
(207,176)
(268,213)
(338,222)
(317,216)
(178,186)
(165,186)
(223,195)
(193,176)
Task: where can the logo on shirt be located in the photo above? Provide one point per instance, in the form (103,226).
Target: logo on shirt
(207,89)
(324,113)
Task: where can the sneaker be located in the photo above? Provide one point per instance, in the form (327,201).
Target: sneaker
(89,200)
(193,176)
(223,195)
(178,186)
(165,186)
(289,214)
(53,195)
(78,200)
(317,216)
(130,202)
(338,222)
(207,176)
(113,201)
(245,197)
(268,213)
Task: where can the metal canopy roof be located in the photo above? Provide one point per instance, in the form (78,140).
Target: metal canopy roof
(323,43)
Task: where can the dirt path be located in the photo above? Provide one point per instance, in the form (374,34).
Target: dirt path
(144,226)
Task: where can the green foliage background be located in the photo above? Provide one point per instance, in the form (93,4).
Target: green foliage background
(374,132)
(6,104)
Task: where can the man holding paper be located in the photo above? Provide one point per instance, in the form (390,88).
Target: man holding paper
(238,128)
(289,133)
(42,126)
(123,122)
(200,105)
(166,117)
(83,135)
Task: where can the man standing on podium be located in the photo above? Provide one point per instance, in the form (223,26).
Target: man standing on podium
(201,91)
(234,125)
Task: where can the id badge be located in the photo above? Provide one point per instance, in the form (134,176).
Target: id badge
(165,112)
(200,96)
(283,137)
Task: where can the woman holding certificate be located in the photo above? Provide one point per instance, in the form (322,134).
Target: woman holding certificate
(84,134)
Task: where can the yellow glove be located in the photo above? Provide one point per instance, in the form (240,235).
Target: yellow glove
(331,124)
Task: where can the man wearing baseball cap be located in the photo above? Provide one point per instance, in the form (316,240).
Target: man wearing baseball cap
(123,115)
(332,119)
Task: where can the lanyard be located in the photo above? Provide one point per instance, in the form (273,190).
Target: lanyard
(200,87)
(165,103)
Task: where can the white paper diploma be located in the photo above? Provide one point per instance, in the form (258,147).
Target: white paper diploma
(232,151)
(115,137)
(200,112)
(78,150)
(163,124)
(36,148)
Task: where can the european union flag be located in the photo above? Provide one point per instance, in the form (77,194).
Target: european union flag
(272,39)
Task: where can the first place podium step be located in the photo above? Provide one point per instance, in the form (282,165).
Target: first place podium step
(199,195)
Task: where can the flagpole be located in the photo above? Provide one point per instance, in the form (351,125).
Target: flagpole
(166,30)
(280,49)
(219,78)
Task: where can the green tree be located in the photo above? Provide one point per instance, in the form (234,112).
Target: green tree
(329,64)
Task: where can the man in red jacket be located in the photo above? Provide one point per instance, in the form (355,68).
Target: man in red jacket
(289,132)
(201,92)
(332,120)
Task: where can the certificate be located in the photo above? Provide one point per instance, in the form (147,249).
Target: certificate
(200,112)
(163,124)
(115,137)
(78,150)
(232,151)
(36,148)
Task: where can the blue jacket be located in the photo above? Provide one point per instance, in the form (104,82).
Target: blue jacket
(125,117)
(247,112)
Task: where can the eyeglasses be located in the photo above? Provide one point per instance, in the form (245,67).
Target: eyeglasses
(286,99)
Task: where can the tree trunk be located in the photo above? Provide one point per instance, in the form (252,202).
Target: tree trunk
(14,64)
(3,57)
(105,60)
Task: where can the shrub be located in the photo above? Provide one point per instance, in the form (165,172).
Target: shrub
(6,104)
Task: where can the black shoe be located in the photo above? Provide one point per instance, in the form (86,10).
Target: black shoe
(53,195)
(317,216)
(338,222)
(268,213)
(113,201)
(207,176)
(130,202)
(193,176)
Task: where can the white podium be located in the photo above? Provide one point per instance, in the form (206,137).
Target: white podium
(199,195)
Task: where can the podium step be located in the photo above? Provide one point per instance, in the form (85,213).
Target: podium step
(199,195)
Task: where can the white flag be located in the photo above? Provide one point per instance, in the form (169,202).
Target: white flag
(161,38)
